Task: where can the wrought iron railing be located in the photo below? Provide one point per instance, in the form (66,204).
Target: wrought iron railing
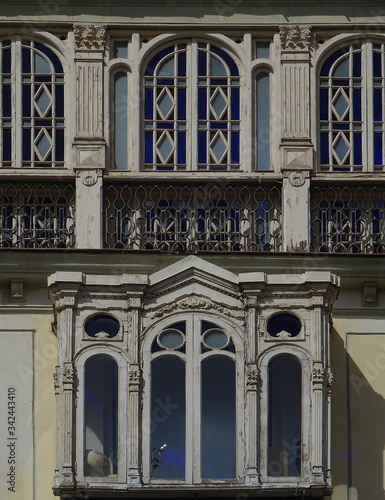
(204,217)
(37,215)
(348,219)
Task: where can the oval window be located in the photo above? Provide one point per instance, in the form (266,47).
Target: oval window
(284,325)
(215,339)
(102,326)
(171,339)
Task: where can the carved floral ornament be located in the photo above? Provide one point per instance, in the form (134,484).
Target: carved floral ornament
(191,303)
(295,37)
(89,37)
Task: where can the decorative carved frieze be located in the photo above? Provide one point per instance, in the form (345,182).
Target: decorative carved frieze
(89,37)
(197,303)
(295,37)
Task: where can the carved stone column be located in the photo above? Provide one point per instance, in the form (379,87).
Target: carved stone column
(296,144)
(89,143)
(64,383)
(134,387)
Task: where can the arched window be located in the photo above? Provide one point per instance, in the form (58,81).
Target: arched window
(32,105)
(192,407)
(101,417)
(191,114)
(351,109)
(284,416)
(262,115)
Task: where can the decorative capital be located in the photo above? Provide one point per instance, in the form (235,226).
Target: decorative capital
(134,378)
(89,37)
(295,37)
(318,375)
(252,377)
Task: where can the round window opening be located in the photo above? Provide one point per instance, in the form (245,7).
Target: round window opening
(171,339)
(102,326)
(284,325)
(215,339)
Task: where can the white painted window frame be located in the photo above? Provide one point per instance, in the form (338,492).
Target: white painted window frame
(193,396)
(122,414)
(265,359)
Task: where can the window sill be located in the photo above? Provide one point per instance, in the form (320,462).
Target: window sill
(109,490)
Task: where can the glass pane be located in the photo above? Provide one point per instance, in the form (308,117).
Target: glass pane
(168,416)
(262,50)
(171,339)
(263,121)
(41,65)
(284,323)
(215,339)
(120,121)
(342,69)
(120,49)
(102,326)
(284,424)
(218,431)
(216,67)
(167,68)
(101,417)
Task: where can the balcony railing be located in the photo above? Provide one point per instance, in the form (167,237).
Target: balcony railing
(193,217)
(37,215)
(348,219)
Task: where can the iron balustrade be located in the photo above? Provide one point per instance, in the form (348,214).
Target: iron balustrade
(37,215)
(204,217)
(348,219)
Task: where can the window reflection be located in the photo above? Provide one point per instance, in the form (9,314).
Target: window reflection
(284,432)
(168,416)
(218,433)
(101,416)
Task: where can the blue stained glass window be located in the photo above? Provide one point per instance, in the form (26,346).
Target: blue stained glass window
(181,147)
(6,63)
(7,144)
(357,65)
(202,147)
(357,105)
(7,102)
(357,138)
(181,104)
(202,103)
(377,67)
(234,147)
(148,147)
(26,60)
(324,148)
(377,143)
(218,97)
(377,104)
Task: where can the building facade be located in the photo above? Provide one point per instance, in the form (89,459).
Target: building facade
(192,208)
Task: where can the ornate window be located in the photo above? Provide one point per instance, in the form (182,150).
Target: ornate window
(32,109)
(192,367)
(352,107)
(191,115)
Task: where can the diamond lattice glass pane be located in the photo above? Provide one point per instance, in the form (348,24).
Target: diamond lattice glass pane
(43,145)
(218,147)
(165,104)
(165,147)
(341,104)
(218,104)
(341,148)
(43,102)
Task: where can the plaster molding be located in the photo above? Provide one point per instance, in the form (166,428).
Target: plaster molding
(89,37)
(295,37)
